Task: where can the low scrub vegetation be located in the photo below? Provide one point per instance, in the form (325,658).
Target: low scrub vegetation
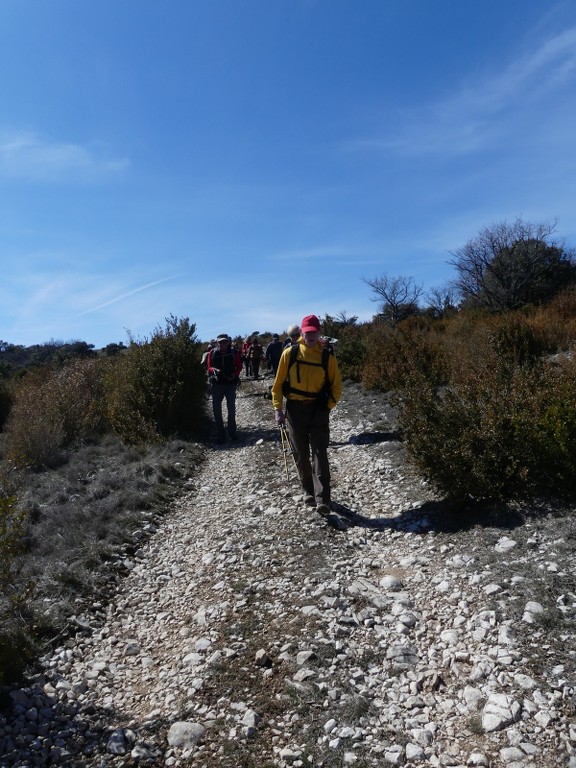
(153,391)
(104,434)
(14,642)
(487,403)
(54,410)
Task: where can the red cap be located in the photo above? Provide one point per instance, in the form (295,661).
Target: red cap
(310,323)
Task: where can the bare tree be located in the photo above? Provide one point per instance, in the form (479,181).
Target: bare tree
(398,296)
(342,319)
(442,301)
(335,325)
(509,265)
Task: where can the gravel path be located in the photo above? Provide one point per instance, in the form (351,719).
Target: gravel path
(252,633)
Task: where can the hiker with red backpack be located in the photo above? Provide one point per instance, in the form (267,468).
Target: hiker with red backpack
(309,378)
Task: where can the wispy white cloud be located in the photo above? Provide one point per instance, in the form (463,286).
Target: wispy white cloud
(127,294)
(26,156)
(76,304)
(530,77)
(469,119)
(333,254)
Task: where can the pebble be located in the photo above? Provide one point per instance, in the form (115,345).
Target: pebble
(248,630)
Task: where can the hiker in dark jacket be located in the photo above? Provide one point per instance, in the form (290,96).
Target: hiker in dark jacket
(224,366)
(255,353)
(273,352)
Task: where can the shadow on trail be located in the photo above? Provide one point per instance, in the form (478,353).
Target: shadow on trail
(432,516)
(248,436)
(371,438)
(75,734)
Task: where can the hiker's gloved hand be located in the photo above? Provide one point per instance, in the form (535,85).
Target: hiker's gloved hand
(279,417)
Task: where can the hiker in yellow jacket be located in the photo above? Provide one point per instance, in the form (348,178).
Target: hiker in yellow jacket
(309,378)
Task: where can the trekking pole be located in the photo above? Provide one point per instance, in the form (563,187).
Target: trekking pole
(285,448)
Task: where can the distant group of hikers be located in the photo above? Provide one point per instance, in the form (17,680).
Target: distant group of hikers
(306,376)
(253,354)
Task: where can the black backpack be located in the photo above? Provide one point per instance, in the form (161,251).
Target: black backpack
(324,393)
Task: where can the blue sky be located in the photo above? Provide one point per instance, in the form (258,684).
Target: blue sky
(246,162)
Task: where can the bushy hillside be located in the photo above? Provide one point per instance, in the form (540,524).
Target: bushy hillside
(486,405)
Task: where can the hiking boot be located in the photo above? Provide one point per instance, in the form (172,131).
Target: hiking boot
(221,439)
(323,509)
(309,499)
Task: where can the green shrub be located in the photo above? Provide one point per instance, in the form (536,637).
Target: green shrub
(486,413)
(352,351)
(494,433)
(157,388)
(555,429)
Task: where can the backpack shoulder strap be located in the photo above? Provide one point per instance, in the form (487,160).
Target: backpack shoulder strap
(293,355)
(326,352)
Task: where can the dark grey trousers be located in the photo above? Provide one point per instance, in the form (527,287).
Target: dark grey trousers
(219,392)
(309,433)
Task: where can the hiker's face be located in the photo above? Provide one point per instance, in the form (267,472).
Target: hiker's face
(310,337)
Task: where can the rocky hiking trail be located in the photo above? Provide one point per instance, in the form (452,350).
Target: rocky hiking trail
(249,632)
